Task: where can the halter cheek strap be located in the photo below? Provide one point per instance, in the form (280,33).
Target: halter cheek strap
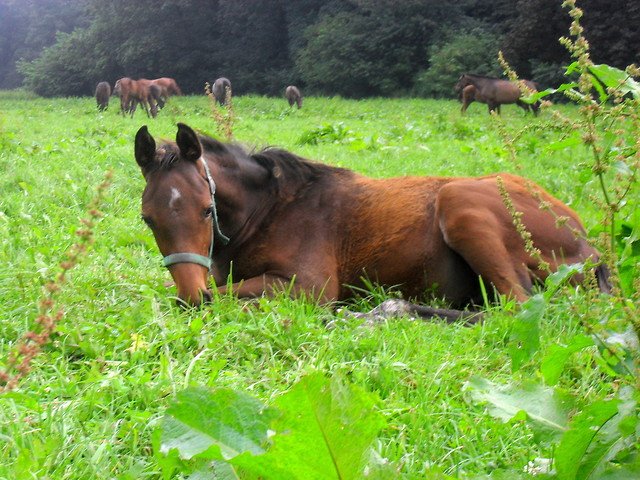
(186,257)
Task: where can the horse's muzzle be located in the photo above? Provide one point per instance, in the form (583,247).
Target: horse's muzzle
(191,283)
(205,297)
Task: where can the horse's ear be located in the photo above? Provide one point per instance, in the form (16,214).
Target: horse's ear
(145,149)
(188,143)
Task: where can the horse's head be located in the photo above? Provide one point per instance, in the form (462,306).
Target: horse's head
(178,204)
(117,88)
(463,81)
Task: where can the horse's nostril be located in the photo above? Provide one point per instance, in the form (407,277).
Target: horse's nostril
(182,304)
(206,296)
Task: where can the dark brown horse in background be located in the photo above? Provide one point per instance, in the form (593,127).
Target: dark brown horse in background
(221,90)
(274,221)
(293,96)
(103,92)
(493,91)
(159,96)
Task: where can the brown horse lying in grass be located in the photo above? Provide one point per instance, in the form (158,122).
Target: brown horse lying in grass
(274,221)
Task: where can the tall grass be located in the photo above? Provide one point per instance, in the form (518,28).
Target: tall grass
(89,406)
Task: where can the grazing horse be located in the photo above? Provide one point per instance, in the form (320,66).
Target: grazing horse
(169,84)
(494,92)
(132,92)
(266,221)
(159,94)
(293,95)
(103,92)
(468,95)
(221,89)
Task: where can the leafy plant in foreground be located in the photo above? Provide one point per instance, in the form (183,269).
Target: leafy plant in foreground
(320,429)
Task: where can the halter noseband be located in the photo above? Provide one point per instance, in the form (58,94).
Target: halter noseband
(186,257)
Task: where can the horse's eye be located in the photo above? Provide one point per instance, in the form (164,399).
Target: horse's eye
(208,211)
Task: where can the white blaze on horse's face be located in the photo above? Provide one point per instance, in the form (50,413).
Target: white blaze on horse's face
(175,196)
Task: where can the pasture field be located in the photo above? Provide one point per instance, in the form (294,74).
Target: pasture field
(97,393)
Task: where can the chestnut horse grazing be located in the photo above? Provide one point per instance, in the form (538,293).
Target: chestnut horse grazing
(293,96)
(493,91)
(274,221)
(103,92)
(132,92)
(169,84)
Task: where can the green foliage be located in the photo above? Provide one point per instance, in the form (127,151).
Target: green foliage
(325,133)
(468,51)
(355,48)
(66,68)
(27,27)
(320,429)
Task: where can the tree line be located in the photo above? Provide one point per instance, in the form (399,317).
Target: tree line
(353,48)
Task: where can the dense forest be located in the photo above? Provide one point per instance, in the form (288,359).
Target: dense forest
(353,48)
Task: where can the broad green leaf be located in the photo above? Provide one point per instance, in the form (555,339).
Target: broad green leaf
(560,277)
(562,144)
(207,474)
(571,68)
(546,409)
(217,425)
(554,361)
(622,168)
(615,78)
(602,94)
(621,473)
(325,432)
(524,340)
(571,453)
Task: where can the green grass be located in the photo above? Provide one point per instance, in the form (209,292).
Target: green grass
(90,405)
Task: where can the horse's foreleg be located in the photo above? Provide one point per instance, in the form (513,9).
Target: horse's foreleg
(478,234)
(272,284)
(535,107)
(523,105)
(475,236)
(132,106)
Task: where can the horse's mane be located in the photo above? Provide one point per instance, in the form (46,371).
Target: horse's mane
(290,172)
(477,75)
(287,172)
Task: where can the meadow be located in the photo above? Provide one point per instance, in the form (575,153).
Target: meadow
(94,400)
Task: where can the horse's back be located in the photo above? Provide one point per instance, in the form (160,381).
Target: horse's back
(387,231)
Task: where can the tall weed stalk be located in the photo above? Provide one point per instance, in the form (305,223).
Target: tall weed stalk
(224,121)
